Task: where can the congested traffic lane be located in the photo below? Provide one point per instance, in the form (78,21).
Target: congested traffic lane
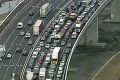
(44,48)
(70,40)
(14,59)
(6,62)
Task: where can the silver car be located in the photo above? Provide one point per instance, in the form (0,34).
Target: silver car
(27,35)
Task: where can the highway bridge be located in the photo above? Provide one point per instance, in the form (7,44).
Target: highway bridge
(10,36)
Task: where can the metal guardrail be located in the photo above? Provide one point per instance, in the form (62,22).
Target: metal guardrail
(100,8)
(13,13)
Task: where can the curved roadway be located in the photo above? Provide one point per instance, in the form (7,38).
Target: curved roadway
(95,14)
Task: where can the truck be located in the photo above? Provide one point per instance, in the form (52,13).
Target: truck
(42,73)
(29,75)
(79,26)
(45,9)
(86,2)
(38,27)
(2,51)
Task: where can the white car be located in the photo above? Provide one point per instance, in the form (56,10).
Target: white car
(13,76)
(41,44)
(47,46)
(63,13)
(27,35)
(69,23)
(9,56)
(74,35)
(20,25)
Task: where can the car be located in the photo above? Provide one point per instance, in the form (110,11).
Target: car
(64,57)
(47,61)
(30,42)
(1,59)
(62,63)
(51,49)
(9,56)
(31,13)
(69,23)
(74,35)
(43,38)
(22,33)
(46,34)
(63,13)
(27,35)
(75,7)
(69,45)
(49,30)
(60,16)
(18,50)
(20,25)
(13,76)
(47,46)
(36,68)
(49,40)
(59,75)
(41,43)
(72,4)
(79,3)
(54,44)
(67,51)
(66,27)
(29,22)
(24,53)
(28,70)
(38,48)
(67,35)
(63,42)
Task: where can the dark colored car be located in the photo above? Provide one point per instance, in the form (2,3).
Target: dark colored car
(24,53)
(67,51)
(18,50)
(69,45)
(31,13)
(29,22)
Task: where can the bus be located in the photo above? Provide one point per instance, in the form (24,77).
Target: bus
(55,55)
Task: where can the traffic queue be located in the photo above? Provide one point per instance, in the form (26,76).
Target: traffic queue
(48,59)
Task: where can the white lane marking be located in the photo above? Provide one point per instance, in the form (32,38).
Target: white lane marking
(17,36)
(60,4)
(23,50)
(15,28)
(14,54)
(15,50)
(12,65)
(24,66)
(21,54)
(12,59)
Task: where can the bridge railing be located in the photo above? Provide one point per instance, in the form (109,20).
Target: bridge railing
(100,8)
(13,13)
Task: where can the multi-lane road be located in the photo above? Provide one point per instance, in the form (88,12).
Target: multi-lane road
(13,40)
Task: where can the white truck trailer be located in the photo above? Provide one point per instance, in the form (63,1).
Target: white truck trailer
(87,1)
(38,27)
(29,75)
(45,9)
(2,51)
(42,72)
